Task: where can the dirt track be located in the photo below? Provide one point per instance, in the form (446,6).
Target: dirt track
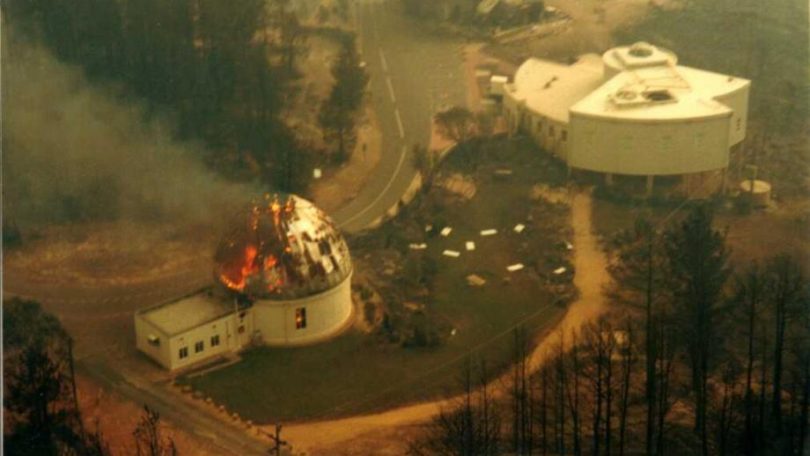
(380,430)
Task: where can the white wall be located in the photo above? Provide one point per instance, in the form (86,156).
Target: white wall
(327,313)
(738,102)
(648,148)
(160,353)
(227,329)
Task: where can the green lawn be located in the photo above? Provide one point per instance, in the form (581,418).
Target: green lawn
(357,373)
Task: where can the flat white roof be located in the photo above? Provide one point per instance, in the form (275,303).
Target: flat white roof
(550,88)
(179,316)
(648,85)
(662,92)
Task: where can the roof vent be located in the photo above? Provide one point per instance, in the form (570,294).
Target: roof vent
(641,49)
(658,96)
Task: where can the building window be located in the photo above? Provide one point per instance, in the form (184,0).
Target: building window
(739,123)
(215,340)
(183,352)
(198,347)
(564,134)
(241,329)
(539,126)
(551,131)
(301,318)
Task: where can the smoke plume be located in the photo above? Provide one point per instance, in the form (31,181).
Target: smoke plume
(73,151)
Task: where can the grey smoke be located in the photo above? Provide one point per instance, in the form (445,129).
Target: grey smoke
(74,151)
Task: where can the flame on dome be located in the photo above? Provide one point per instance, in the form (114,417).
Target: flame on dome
(286,248)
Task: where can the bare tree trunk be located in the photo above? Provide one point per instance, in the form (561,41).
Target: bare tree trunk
(609,393)
(804,417)
(573,397)
(752,292)
(559,402)
(627,369)
(664,374)
(544,412)
(651,355)
(763,387)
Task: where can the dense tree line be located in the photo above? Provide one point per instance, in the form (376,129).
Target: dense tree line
(339,111)
(690,359)
(40,407)
(218,67)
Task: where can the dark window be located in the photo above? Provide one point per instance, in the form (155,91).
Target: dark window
(551,130)
(198,347)
(739,123)
(215,340)
(183,352)
(241,329)
(300,318)
(564,135)
(539,126)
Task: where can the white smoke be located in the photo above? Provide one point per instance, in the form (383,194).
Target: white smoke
(71,150)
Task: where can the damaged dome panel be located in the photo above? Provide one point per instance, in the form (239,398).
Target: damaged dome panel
(283,247)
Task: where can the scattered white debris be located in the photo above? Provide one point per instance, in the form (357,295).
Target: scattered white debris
(451,253)
(489,232)
(446,231)
(470,245)
(519,228)
(475,280)
(560,270)
(514,267)
(569,246)
(421,246)
(317,173)
(428,228)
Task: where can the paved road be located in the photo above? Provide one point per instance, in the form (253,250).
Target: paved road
(413,74)
(222,437)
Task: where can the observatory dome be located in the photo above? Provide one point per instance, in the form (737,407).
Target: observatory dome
(282,247)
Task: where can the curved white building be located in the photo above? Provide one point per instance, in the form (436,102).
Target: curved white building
(634,111)
(284,274)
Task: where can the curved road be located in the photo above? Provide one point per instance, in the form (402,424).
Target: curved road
(413,74)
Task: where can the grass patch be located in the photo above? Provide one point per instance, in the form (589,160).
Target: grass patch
(358,372)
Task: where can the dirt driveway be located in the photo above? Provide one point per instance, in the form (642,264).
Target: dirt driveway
(387,432)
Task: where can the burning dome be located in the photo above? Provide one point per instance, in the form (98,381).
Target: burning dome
(282,248)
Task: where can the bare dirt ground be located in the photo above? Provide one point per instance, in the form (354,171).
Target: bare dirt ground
(385,431)
(113,253)
(117,418)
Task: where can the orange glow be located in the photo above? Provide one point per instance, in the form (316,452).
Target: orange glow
(248,267)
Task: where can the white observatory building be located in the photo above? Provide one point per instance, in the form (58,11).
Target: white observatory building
(284,278)
(634,111)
